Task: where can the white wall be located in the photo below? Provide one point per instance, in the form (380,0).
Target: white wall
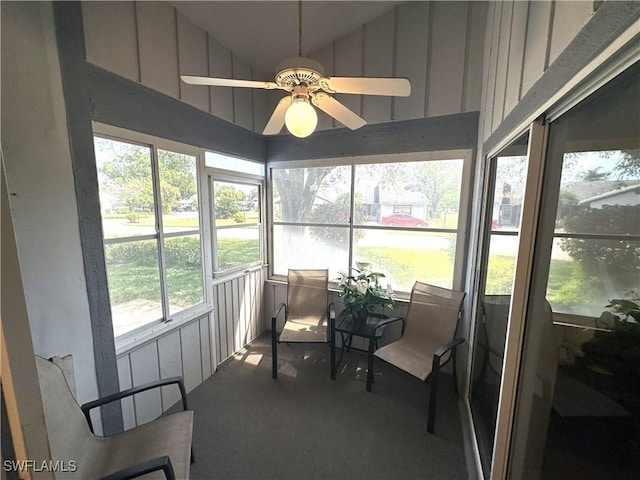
(42,195)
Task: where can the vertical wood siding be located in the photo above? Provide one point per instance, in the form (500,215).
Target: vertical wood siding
(437,45)
(523,40)
(239,313)
(188,352)
(151,43)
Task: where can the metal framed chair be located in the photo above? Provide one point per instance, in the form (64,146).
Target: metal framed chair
(308,316)
(160,448)
(428,339)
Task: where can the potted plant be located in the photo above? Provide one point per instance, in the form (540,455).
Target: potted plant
(618,348)
(362,292)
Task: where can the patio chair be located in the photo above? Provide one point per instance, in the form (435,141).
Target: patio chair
(428,339)
(308,316)
(158,449)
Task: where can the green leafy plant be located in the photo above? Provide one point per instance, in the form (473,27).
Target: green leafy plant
(617,349)
(622,314)
(361,291)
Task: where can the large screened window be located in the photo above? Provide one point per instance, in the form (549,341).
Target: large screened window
(151,229)
(403,215)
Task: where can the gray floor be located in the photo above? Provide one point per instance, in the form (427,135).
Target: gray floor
(306,426)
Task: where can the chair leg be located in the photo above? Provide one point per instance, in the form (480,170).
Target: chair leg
(433,393)
(333,360)
(274,355)
(370,365)
(455,374)
(193,457)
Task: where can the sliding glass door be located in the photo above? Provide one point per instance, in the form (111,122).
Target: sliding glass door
(578,397)
(502,212)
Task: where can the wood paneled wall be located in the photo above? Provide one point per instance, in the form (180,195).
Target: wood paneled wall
(523,40)
(152,44)
(239,309)
(437,45)
(194,350)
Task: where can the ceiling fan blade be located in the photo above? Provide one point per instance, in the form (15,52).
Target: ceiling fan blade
(396,87)
(276,122)
(227,82)
(337,110)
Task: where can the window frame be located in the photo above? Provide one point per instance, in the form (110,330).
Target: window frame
(221,175)
(168,321)
(461,231)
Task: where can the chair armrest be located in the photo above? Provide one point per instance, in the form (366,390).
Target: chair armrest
(87,407)
(276,313)
(153,465)
(387,321)
(445,348)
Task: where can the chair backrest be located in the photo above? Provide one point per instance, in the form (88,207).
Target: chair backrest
(433,313)
(308,293)
(69,434)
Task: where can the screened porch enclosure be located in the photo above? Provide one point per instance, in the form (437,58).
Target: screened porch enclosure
(155,226)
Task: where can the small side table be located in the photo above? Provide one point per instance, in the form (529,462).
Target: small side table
(347,328)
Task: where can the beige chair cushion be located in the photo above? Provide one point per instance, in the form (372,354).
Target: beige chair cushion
(94,456)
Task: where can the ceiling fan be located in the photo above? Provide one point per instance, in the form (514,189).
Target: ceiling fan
(304,79)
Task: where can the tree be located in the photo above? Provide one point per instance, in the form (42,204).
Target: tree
(439,182)
(594,174)
(297,189)
(629,164)
(177,177)
(339,212)
(128,175)
(226,200)
(618,256)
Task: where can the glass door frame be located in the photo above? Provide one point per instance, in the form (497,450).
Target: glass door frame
(531,203)
(522,274)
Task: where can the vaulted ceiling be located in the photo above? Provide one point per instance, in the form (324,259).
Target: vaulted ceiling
(263,33)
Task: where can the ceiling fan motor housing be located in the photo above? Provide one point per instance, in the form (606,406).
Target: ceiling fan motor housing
(298,71)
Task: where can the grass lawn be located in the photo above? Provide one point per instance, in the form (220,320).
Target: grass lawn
(234,252)
(405,265)
(130,282)
(134,276)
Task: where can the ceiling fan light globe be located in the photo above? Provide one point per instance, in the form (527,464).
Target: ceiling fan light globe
(301,118)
